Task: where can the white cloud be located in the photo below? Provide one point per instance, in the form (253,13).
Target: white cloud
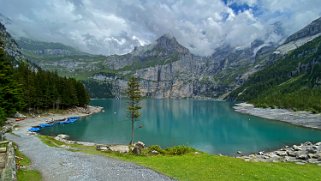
(116,27)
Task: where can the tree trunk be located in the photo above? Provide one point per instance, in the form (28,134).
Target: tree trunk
(132,140)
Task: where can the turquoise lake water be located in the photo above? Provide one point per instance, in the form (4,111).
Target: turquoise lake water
(207,125)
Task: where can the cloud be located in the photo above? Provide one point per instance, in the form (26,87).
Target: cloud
(116,27)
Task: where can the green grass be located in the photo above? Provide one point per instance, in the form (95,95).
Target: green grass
(203,166)
(24,172)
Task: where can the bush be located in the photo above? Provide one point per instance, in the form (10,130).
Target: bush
(2,116)
(179,150)
(156,148)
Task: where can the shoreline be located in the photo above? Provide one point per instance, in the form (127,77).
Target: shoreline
(34,121)
(298,118)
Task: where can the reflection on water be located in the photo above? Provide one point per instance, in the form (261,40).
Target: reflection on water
(207,125)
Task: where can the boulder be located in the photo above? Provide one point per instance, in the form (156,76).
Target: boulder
(291,153)
(281,153)
(19,115)
(102,148)
(63,136)
(313,160)
(301,156)
(137,150)
(296,148)
(140,144)
(311,150)
(119,148)
(308,143)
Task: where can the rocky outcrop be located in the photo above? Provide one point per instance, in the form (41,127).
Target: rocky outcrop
(302,154)
(312,29)
(12,49)
(308,33)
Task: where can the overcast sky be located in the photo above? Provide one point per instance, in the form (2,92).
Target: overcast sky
(116,26)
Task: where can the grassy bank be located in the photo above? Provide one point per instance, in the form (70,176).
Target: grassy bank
(24,172)
(202,166)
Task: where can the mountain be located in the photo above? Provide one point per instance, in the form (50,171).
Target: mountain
(308,33)
(165,67)
(11,48)
(44,48)
(293,81)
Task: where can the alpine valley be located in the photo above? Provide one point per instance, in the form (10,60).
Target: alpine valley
(166,69)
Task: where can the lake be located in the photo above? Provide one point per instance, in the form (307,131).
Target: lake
(207,125)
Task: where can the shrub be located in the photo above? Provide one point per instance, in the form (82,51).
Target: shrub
(156,148)
(179,150)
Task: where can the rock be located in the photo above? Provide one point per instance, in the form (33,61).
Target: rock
(281,153)
(313,160)
(311,150)
(140,144)
(119,148)
(102,148)
(239,152)
(318,144)
(261,152)
(137,150)
(302,156)
(307,143)
(296,148)
(63,136)
(300,163)
(289,159)
(154,152)
(291,153)
(196,153)
(19,115)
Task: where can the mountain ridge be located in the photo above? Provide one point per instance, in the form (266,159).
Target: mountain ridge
(168,69)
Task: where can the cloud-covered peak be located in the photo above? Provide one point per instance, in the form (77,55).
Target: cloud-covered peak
(116,27)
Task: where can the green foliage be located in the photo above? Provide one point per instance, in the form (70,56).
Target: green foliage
(24,172)
(156,148)
(293,82)
(2,115)
(23,89)
(10,91)
(134,95)
(179,150)
(99,89)
(44,90)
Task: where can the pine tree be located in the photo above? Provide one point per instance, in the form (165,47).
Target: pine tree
(134,95)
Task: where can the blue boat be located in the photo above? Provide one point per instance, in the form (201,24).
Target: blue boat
(70,120)
(45,125)
(34,129)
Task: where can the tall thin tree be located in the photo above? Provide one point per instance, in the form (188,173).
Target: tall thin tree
(134,96)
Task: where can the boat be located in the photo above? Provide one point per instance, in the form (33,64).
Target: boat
(34,129)
(45,125)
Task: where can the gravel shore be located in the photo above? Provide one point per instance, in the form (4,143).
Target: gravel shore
(56,164)
(301,118)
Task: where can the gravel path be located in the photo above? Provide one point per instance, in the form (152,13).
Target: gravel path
(58,164)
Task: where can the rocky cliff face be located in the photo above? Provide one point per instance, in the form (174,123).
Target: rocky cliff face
(308,33)
(312,29)
(167,69)
(11,47)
